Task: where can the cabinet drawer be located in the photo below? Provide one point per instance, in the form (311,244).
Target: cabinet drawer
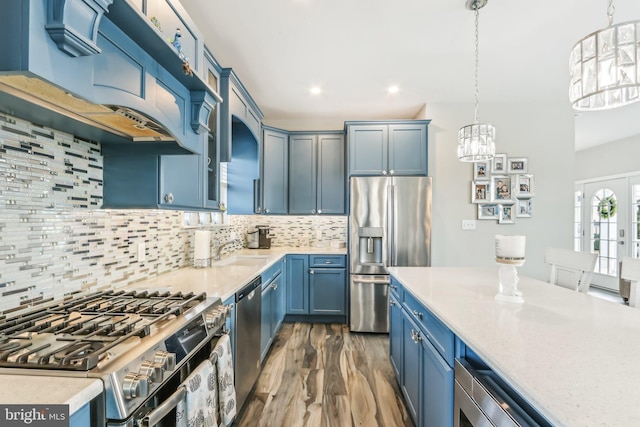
(396,290)
(437,333)
(269,274)
(327,261)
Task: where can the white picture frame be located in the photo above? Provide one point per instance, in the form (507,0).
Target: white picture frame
(507,215)
(481,170)
(524,208)
(480,191)
(501,191)
(524,186)
(517,165)
(488,211)
(499,164)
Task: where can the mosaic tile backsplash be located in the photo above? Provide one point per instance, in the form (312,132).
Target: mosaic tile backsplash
(55,239)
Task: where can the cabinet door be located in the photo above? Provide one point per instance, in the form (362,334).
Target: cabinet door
(395,335)
(297,284)
(411,378)
(437,392)
(181,182)
(277,304)
(302,174)
(327,291)
(210,158)
(408,149)
(265,324)
(331,177)
(368,145)
(275,173)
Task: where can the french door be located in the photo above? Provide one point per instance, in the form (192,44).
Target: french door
(605,221)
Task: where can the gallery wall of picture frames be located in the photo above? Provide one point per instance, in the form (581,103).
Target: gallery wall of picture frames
(503,189)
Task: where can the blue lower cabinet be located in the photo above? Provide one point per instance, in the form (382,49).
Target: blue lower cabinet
(266,323)
(327,291)
(278,301)
(316,287)
(395,334)
(411,371)
(436,404)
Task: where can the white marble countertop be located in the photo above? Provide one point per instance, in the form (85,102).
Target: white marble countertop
(224,281)
(43,390)
(571,355)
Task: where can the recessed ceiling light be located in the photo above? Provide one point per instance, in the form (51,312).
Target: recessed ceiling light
(393,89)
(315,90)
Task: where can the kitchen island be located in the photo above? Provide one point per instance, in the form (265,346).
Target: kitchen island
(570,355)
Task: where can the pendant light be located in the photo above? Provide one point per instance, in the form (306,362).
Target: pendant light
(604,67)
(476,141)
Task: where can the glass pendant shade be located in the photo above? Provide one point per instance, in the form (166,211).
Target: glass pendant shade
(604,68)
(476,142)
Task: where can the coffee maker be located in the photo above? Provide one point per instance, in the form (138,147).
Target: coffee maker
(264,240)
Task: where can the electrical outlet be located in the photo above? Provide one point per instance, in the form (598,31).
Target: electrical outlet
(468,224)
(141,252)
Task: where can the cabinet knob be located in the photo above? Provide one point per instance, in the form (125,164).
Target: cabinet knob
(417,314)
(313,211)
(319,211)
(391,172)
(168,198)
(266,211)
(384,172)
(311,272)
(392,303)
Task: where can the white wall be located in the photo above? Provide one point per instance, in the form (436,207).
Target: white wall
(542,132)
(613,158)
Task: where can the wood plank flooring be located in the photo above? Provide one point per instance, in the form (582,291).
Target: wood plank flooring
(326,376)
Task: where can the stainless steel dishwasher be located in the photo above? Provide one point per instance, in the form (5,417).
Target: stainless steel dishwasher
(248,318)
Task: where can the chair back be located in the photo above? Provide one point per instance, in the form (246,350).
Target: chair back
(570,269)
(630,270)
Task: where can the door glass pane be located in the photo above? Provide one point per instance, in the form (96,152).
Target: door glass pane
(577,220)
(635,220)
(604,231)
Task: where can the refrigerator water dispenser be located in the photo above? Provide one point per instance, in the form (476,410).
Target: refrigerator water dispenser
(370,247)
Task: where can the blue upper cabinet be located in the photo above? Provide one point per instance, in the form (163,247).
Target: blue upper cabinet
(387,148)
(237,106)
(275,171)
(102,71)
(316,173)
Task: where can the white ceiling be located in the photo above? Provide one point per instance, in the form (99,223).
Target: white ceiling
(355,49)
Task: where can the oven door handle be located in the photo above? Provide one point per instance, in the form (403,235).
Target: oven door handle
(155,416)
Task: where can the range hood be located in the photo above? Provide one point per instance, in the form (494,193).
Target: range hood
(77,71)
(119,120)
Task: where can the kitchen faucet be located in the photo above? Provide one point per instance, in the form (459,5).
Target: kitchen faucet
(218,246)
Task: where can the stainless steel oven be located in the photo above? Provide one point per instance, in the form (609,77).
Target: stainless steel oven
(483,399)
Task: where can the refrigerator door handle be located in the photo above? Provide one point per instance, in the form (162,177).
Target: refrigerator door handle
(390,226)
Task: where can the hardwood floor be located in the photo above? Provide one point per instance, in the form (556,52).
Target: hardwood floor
(323,375)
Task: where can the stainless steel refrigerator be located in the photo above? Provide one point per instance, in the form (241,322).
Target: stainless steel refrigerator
(389,225)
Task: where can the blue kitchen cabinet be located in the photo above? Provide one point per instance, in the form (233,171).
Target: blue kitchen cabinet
(275,171)
(395,334)
(387,148)
(421,350)
(273,293)
(316,287)
(327,291)
(238,106)
(297,284)
(316,173)
(411,377)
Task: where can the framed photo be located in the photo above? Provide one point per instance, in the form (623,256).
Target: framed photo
(506,214)
(488,211)
(524,186)
(480,191)
(499,164)
(523,208)
(501,189)
(517,165)
(481,170)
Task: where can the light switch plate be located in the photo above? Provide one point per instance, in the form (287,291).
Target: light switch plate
(468,224)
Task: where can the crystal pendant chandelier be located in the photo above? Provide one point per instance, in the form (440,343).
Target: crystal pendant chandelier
(476,141)
(604,67)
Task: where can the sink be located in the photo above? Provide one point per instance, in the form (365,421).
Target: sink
(242,261)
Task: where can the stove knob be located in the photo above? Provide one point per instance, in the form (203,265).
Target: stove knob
(166,360)
(152,370)
(135,385)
